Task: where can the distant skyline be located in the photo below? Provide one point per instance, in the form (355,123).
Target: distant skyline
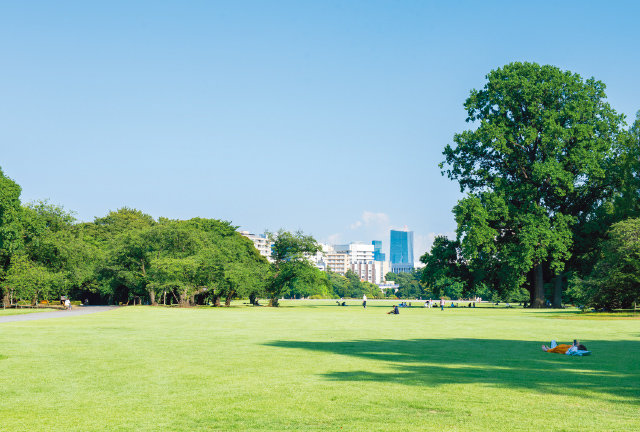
(329,117)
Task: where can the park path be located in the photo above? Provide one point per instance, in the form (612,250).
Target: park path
(82,310)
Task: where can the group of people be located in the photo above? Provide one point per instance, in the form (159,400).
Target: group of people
(429,303)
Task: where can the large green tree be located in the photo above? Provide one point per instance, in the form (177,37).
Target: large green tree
(533,163)
(10,228)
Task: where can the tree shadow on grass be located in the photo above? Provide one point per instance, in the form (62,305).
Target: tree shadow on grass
(613,371)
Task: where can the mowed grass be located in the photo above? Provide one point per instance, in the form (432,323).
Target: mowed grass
(316,366)
(20,311)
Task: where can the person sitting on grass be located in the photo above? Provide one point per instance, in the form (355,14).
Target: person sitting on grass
(394,311)
(575,349)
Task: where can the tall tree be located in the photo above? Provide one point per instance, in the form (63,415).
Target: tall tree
(10,228)
(534,162)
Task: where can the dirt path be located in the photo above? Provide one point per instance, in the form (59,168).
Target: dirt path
(82,310)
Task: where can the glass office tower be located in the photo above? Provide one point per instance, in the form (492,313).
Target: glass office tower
(401,251)
(377,250)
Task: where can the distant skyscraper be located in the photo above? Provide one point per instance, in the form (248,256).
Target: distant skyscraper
(401,251)
(377,250)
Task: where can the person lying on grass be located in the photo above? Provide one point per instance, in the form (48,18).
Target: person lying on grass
(394,311)
(574,349)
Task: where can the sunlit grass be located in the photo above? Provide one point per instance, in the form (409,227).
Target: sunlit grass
(317,366)
(21,311)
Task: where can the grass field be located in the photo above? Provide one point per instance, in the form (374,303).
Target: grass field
(21,311)
(315,366)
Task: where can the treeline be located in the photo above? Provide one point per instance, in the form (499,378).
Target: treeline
(552,180)
(129,257)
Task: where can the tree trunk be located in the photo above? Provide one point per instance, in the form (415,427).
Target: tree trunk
(152,297)
(273,302)
(227,301)
(216,300)
(174,296)
(5,298)
(252,298)
(34,300)
(538,288)
(192,300)
(557,291)
(183,299)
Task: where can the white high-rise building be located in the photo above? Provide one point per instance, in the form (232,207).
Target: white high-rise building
(329,259)
(337,262)
(372,271)
(358,252)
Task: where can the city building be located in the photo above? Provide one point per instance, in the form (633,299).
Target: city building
(401,251)
(358,252)
(378,255)
(337,262)
(365,271)
(328,259)
(381,269)
(372,271)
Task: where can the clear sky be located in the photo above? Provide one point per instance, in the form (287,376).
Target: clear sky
(326,116)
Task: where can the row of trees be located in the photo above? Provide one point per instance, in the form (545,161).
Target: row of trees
(127,256)
(552,182)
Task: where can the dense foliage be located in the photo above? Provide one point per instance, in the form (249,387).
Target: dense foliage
(614,281)
(124,257)
(409,285)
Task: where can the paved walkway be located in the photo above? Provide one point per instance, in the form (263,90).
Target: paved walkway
(82,310)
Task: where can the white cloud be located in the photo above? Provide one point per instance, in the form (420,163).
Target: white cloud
(371,220)
(355,225)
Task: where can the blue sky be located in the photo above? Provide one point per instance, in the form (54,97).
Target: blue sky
(326,116)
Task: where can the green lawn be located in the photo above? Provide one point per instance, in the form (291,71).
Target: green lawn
(315,366)
(20,311)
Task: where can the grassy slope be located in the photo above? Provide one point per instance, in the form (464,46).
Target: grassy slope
(317,366)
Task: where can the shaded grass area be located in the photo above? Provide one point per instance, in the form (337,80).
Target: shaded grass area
(436,362)
(316,366)
(603,316)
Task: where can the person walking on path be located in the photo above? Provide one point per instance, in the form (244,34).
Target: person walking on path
(442,304)
(364,301)
(67,304)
